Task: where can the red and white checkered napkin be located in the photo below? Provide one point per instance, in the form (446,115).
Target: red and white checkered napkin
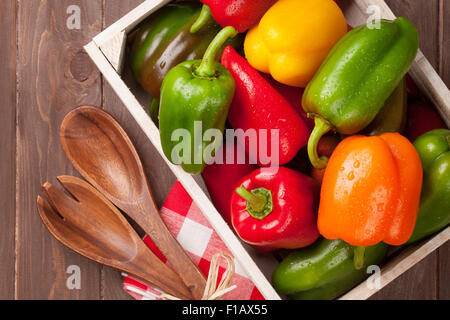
(186,222)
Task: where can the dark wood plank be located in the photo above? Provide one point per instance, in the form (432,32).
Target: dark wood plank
(425,15)
(444,41)
(54,76)
(8,143)
(160,177)
(420,282)
(443,274)
(444,70)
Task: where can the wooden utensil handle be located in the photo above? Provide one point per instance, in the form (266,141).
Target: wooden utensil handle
(170,284)
(178,258)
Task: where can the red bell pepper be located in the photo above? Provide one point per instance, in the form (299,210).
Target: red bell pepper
(422,118)
(257,105)
(240,14)
(221,178)
(276,208)
(293,95)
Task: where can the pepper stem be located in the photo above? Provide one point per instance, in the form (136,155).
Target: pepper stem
(359,259)
(203,19)
(207,66)
(322,127)
(259,201)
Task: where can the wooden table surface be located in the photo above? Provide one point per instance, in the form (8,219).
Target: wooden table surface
(45,73)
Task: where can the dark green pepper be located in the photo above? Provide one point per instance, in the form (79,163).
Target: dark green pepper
(195,97)
(392,117)
(434,211)
(357,78)
(164,40)
(323,271)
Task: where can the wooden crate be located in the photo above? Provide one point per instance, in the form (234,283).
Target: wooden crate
(107,51)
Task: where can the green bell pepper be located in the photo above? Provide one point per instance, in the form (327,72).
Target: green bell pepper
(434,212)
(195,97)
(392,117)
(164,40)
(323,271)
(357,78)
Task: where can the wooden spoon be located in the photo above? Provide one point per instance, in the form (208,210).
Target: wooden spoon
(101,151)
(91,226)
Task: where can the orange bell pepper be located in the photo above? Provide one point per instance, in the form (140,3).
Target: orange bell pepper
(371,191)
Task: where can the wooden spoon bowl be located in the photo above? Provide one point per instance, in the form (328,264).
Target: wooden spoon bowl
(101,151)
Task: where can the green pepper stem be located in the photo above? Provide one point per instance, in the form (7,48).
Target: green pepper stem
(359,259)
(207,66)
(256,201)
(203,19)
(322,127)
(259,201)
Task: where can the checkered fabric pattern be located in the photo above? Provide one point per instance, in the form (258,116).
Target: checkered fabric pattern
(186,222)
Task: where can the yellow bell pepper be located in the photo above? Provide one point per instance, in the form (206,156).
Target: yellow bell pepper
(293,39)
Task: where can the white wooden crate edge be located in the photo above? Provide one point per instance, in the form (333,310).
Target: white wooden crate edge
(188,181)
(107,49)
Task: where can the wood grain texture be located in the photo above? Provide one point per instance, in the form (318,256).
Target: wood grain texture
(420,282)
(8,153)
(443,253)
(54,76)
(443,282)
(160,177)
(114,243)
(126,186)
(444,40)
(425,16)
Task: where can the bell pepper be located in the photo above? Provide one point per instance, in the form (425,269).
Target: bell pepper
(240,14)
(275,208)
(326,147)
(434,213)
(258,106)
(357,78)
(222,176)
(421,119)
(323,271)
(371,192)
(195,97)
(392,117)
(164,40)
(293,95)
(291,45)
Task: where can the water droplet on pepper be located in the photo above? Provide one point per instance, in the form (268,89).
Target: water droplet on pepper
(351,176)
